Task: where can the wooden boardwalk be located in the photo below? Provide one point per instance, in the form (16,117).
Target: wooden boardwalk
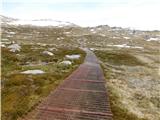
(82,96)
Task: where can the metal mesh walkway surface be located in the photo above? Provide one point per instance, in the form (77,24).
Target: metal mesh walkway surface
(82,96)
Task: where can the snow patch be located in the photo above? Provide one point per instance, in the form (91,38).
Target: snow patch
(115,37)
(67,32)
(137,47)
(153,39)
(41,44)
(126,46)
(127,38)
(34,72)
(92,30)
(4,39)
(60,38)
(92,49)
(2,45)
(12,33)
(40,23)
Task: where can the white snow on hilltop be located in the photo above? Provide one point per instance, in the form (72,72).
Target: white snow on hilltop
(45,22)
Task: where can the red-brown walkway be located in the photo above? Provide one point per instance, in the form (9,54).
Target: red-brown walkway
(82,96)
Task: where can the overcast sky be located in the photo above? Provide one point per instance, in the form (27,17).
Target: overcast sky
(138,14)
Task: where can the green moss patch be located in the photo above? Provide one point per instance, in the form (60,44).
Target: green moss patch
(118,58)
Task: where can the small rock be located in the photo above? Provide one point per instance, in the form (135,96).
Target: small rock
(72,57)
(14,47)
(66,62)
(47,53)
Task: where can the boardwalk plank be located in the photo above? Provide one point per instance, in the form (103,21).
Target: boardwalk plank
(82,96)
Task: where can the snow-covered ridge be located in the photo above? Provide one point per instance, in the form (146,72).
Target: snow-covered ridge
(41,22)
(35,22)
(5,19)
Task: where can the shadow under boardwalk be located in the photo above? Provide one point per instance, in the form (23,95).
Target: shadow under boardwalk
(82,96)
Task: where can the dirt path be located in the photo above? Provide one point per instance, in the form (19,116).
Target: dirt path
(82,96)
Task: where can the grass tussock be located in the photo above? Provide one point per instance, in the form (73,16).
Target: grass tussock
(118,58)
(130,86)
(118,110)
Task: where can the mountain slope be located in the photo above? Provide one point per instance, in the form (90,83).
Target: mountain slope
(36,22)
